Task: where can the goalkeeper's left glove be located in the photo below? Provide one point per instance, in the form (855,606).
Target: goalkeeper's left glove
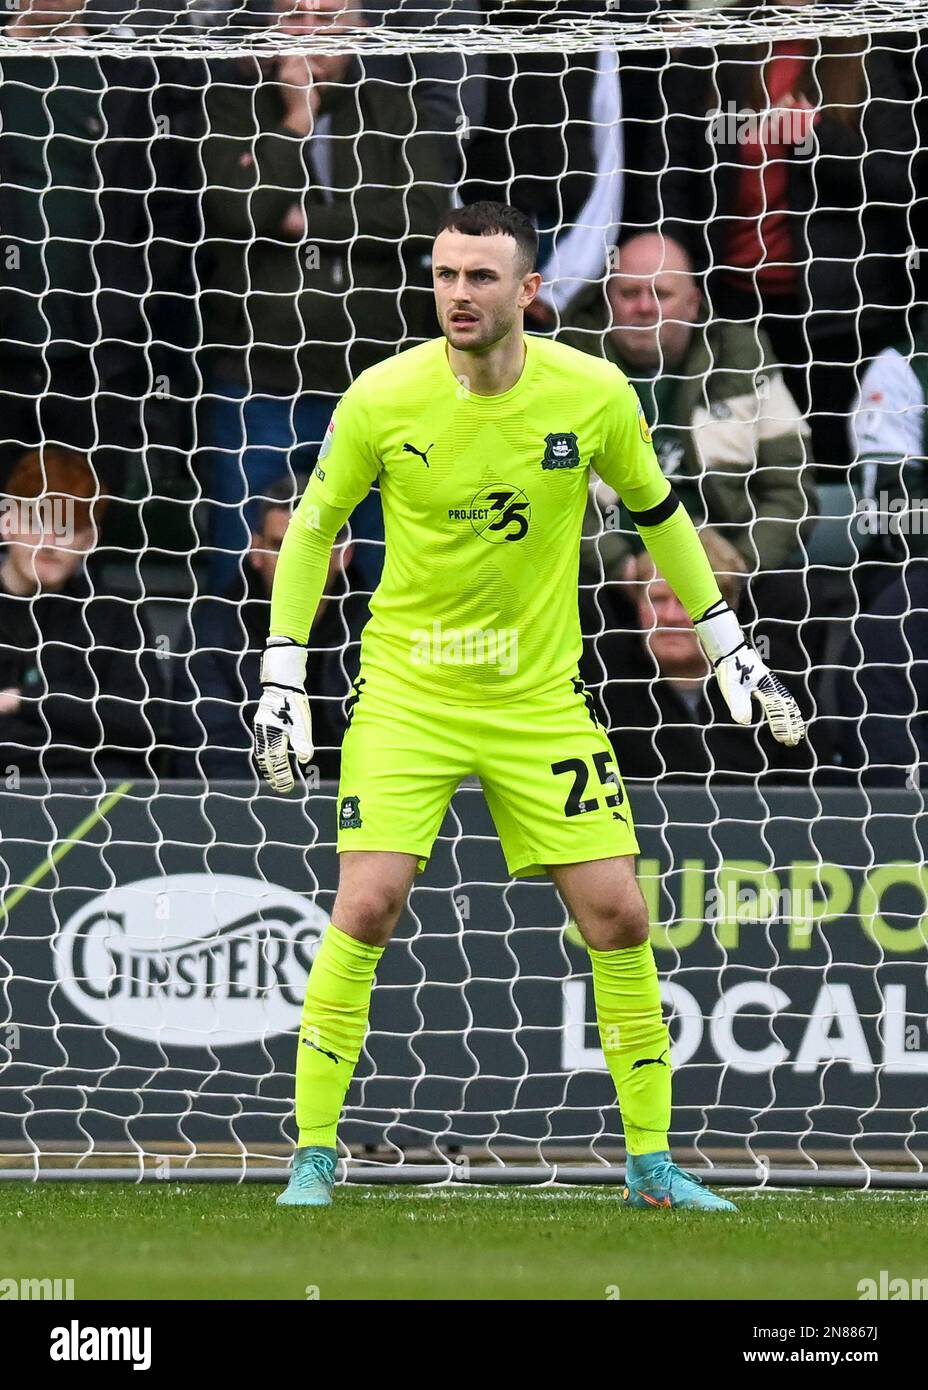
(283,719)
(741,674)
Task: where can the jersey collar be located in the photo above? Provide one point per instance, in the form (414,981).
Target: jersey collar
(524,381)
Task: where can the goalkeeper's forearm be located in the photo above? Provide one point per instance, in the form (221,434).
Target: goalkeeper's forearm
(283,722)
(303,565)
(674,546)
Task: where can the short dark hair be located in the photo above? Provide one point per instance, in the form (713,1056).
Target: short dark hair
(281,496)
(284,496)
(489,219)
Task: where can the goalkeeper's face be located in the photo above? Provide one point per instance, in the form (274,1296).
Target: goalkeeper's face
(480,289)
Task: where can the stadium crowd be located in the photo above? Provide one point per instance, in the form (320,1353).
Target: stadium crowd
(199,255)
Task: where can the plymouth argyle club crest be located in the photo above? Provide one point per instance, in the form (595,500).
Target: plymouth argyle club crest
(349,817)
(561,451)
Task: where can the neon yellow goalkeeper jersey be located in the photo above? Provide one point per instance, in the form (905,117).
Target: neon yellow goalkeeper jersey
(483,503)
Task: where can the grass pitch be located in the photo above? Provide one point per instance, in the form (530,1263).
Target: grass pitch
(167,1241)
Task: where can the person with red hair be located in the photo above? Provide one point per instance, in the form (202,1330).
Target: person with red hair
(73,664)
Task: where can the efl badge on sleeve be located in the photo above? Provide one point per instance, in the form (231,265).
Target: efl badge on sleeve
(643,426)
(327,441)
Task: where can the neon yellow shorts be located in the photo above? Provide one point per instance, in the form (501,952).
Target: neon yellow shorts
(547,770)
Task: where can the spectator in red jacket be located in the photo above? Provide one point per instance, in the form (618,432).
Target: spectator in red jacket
(788,173)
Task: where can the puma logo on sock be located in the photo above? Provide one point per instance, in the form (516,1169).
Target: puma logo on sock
(326,1053)
(650,1061)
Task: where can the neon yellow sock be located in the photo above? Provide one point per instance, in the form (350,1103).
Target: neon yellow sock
(334,1022)
(635,1042)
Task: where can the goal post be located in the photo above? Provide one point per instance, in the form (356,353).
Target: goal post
(193,268)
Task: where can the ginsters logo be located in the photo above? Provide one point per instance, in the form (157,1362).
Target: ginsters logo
(498,513)
(190,960)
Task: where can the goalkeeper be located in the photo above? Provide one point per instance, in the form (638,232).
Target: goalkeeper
(481,442)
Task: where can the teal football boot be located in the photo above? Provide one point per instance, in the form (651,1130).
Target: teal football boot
(312,1178)
(654,1180)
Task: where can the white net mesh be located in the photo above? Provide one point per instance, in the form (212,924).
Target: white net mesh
(462,26)
(213,219)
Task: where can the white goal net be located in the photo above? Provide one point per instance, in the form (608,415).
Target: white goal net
(213,216)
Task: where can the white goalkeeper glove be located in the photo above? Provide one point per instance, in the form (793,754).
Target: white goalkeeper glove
(741,674)
(283,720)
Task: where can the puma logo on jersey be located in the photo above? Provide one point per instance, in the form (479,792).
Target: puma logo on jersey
(411,449)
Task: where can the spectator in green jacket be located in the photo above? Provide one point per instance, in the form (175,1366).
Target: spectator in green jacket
(726,430)
(323,190)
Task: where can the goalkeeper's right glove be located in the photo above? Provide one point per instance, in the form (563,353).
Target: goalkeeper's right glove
(741,674)
(283,720)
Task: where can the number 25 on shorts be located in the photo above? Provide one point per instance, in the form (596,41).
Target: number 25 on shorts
(577,802)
